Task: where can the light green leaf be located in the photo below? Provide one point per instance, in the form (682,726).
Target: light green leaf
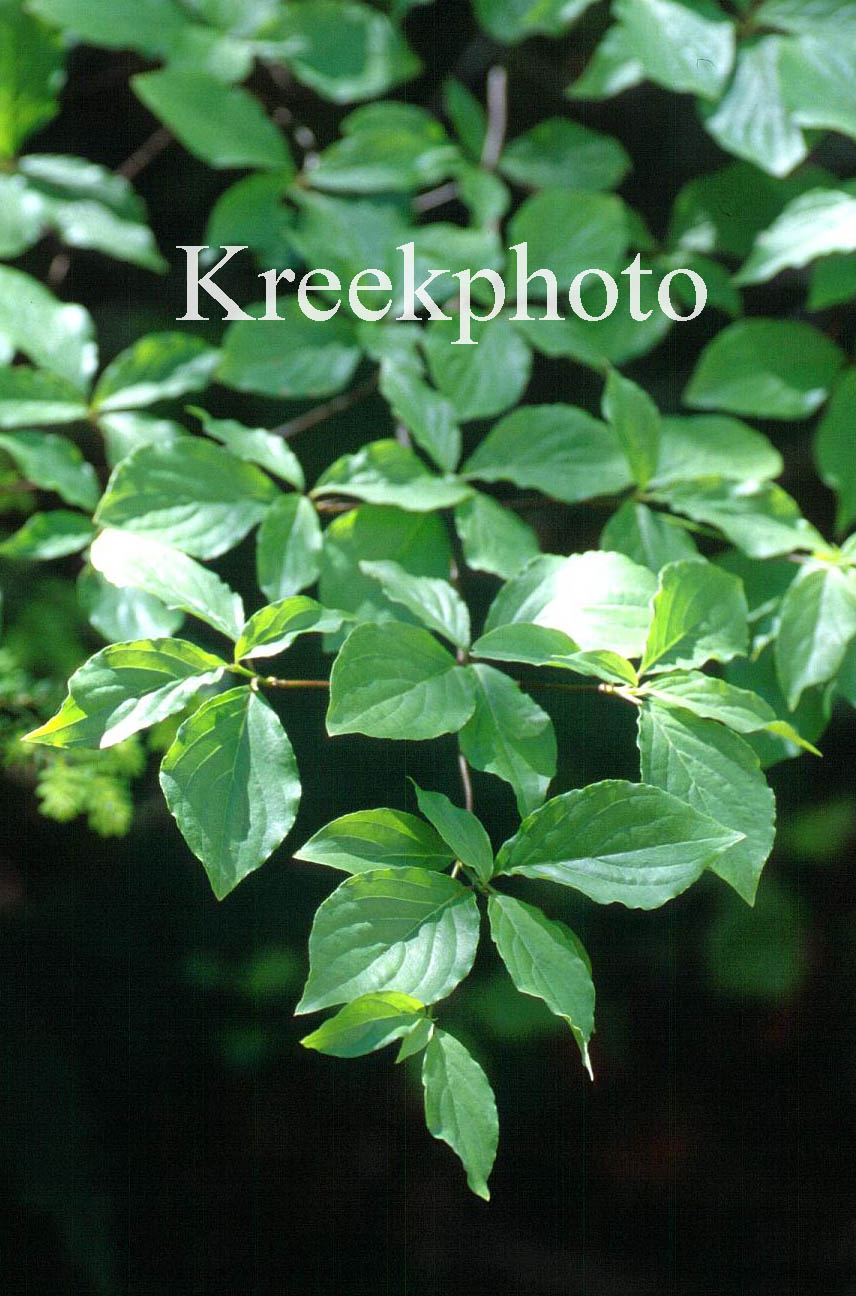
(460,830)
(385,472)
(752,120)
(123,615)
(617,842)
(222,125)
(136,560)
(403,929)
(252,213)
(829,18)
(21,216)
(289,544)
(256,446)
(539,646)
(467,116)
(684,45)
(428,416)
(648,538)
(53,463)
(510,736)
(557,449)
(156,27)
(342,51)
(569,233)
(514,20)
(289,359)
(31,76)
(716,699)
(817,623)
(366,1025)
(493,538)
(126,431)
(460,1107)
(273,629)
(435,603)
(32,396)
(189,494)
(636,422)
(55,335)
(397,682)
(762,520)
(482,380)
(833,447)
(817,75)
(813,225)
(545,959)
(719,775)
(700,614)
(386,148)
(709,445)
(417,1038)
(45,536)
(612,68)
(561,153)
(231,782)
(127,687)
(766,368)
(160,366)
(372,839)
(599,600)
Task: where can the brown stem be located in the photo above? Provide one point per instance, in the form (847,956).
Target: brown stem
(270,681)
(497,117)
(444,193)
(145,154)
(321,412)
(466,782)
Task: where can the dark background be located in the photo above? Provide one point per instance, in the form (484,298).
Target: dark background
(165,1132)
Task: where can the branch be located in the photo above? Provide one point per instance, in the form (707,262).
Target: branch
(497,117)
(321,412)
(145,154)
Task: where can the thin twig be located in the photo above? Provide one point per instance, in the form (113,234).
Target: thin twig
(444,193)
(270,681)
(321,412)
(58,269)
(466,782)
(497,117)
(145,154)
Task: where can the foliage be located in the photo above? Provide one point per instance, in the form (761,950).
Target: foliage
(713,610)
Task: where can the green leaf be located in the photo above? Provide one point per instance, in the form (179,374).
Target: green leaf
(833,281)
(231,782)
(766,368)
(719,775)
(599,600)
(31,76)
(510,736)
(123,615)
(156,28)
(273,629)
(752,119)
(816,626)
(483,380)
(545,959)
(386,148)
(126,431)
(416,541)
(648,538)
(493,539)
(435,603)
(715,699)
(467,117)
(833,447)
(636,422)
(291,359)
(709,445)
(557,449)
(460,830)
(700,614)
(21,216)
(561,153)
(342,51)
(190,494)
(160,366)
(45,536)
(223,126)
(136,560)
(417,1038)
(829,18)
(762,520)
(571,232)
(813,225)
(289,547)
(617,842)
(539,646)
(612,68)
(372,839)
(385,472)
(397,682)
(366,1025)
(684,45)
(252,213)
(31,396)
(127,687)
(53,463)
(402,929)
(256,446)
(460,1107)
(514,20)
(428,416)
(56,336)
(617,339)
(817,77)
